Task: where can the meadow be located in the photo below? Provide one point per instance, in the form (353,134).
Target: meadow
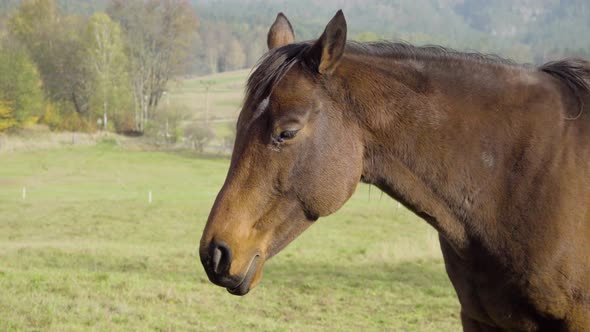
(86,251)
(215,97)
(225,94)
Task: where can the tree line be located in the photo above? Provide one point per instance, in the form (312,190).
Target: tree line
(89,64)
(108,70)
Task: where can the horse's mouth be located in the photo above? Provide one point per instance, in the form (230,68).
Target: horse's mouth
(244,286)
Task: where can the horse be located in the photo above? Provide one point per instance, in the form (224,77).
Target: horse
(493,154)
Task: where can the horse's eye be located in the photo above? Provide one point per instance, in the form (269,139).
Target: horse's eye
(288,134)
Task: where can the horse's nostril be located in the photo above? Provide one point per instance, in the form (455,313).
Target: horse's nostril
(220,257)
(215,259)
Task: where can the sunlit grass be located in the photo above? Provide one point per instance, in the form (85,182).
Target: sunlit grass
(85,251)
(225,94)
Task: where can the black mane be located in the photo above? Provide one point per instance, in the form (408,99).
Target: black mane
(271,68)
(400,50)
(575,73)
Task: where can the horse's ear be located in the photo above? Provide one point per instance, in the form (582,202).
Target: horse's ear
(326,52)
(280,33)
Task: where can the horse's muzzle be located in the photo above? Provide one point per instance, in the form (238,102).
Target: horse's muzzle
(217,259)
(244,286)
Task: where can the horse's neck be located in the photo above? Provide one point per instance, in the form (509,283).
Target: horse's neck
(423,144)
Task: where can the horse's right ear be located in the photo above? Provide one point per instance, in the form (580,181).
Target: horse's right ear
(324,55)
(280,33)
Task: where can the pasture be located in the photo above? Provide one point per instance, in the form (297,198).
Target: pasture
(85,251)
(225,94)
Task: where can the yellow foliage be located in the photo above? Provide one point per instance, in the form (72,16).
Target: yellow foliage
(7,119)
(31,121)
(65,120)
(72,122)
(51,116)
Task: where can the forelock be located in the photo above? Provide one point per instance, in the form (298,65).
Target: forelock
(271,69)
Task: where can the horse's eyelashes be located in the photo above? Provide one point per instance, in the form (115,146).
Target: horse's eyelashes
(284,136)
(288,134)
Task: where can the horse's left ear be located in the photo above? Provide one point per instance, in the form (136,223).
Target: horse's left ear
(326,52)
(280,33)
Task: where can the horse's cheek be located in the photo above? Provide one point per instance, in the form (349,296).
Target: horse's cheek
(335,179)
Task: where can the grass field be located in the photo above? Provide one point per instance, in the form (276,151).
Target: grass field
(224,97)
(225,94)
(85,251)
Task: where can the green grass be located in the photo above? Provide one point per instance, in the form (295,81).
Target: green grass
(225,95)
(225,98)
(85,251)
(224,129)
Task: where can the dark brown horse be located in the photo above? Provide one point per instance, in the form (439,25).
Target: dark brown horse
(494,155)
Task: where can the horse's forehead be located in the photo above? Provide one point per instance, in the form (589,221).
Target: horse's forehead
(294,80)
(294,89)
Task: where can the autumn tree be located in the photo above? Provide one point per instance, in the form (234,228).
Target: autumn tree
(198,135)
(235,57)
(54,44)
(21,96)
(7,119)
(159,34)
(106,59)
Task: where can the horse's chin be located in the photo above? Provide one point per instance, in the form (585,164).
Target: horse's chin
(251,278)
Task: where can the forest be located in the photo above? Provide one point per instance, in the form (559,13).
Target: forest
(85,65)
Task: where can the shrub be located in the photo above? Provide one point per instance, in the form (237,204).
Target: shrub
(7,119)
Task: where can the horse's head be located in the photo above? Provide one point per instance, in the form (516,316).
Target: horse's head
(297,157)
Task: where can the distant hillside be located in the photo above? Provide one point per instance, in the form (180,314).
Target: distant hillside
(528,30)
(68,6)
(232,33)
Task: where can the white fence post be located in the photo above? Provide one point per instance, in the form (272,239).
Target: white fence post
(24,193)
(150,197)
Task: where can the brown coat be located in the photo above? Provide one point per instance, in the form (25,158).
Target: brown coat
(494,155)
